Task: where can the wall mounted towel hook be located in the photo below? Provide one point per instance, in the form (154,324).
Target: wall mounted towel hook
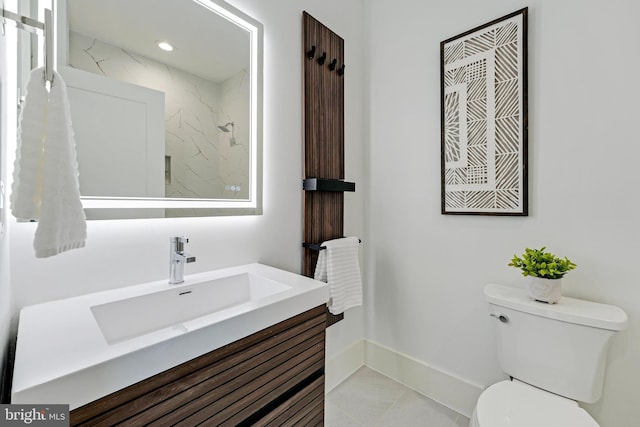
(323,58)
(332,64)
(311,52)
(341,70)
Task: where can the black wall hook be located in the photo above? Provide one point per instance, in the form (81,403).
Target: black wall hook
(312,52)
(341,70)
(332,64)
(323,58)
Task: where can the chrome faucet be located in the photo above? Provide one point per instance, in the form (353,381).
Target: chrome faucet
(178,257)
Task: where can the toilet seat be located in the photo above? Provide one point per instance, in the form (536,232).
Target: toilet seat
(515,404)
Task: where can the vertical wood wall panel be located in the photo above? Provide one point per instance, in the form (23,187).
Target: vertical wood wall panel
(323,145)
(323,103)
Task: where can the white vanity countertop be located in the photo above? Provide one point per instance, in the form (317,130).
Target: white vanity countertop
(63,357)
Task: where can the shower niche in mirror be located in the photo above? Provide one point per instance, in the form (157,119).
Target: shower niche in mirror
(166,106)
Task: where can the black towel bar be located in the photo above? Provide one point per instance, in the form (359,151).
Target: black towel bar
(317,246)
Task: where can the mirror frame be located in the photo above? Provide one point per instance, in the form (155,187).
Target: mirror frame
(130,207)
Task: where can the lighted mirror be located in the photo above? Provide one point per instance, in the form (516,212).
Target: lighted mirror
(166,104)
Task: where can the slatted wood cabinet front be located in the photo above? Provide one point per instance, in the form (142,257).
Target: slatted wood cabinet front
(271,378)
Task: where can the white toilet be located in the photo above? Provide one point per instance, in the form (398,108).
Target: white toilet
(555,355)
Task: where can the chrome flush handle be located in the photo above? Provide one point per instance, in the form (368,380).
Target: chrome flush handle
(501,317)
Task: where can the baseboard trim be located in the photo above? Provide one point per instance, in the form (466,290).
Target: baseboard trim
(443,387)
(343,365)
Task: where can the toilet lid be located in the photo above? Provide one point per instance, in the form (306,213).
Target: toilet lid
(512,403)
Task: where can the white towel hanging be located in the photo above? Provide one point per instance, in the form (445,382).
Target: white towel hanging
(45,178)
(339,266)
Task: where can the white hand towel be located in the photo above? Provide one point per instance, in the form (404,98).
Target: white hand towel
(27,172)
(339,266)
(45,181)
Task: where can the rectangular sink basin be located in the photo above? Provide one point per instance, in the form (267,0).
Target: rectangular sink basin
(132,317)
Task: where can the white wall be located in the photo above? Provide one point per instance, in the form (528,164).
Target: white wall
(125,252)
(5,289)
(426,271)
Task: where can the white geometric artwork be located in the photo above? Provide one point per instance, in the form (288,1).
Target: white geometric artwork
(484,119)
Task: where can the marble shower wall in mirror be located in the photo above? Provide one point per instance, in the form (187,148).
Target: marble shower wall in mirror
(201,161)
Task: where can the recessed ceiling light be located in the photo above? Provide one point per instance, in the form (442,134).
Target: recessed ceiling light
(165,46)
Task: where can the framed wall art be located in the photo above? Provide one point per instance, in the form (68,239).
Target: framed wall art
(484,119)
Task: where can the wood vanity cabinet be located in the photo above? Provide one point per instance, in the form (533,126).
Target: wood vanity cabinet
(271,378)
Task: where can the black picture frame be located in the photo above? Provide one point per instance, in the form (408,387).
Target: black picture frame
(484,119)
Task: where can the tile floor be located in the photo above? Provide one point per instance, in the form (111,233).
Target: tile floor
(368,399)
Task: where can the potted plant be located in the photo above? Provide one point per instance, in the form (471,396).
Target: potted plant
(545,271)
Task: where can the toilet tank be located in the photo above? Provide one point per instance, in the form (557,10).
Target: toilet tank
(561,348)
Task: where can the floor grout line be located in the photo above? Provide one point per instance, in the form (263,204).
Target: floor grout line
(384,418)
(386,411)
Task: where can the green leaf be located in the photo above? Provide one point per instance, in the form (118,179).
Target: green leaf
(538,263)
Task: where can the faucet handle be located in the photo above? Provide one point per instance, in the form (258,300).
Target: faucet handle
(177,243)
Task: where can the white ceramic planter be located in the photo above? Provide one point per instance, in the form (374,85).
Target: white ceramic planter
(545,290)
